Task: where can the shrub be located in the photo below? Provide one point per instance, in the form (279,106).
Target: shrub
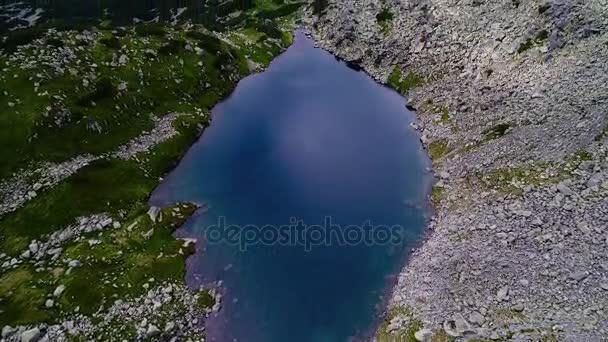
(146,30)
(111,43)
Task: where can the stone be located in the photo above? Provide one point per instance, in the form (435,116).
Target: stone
(502,293)
(518,307)
(153,213)
(458,326)
(74,263)
(33,247)
(564,189)
(49,303)
(578,275)
(58,290)
(476,318)
(152,331)
(604,286)
(123,60)
(30,335)
(169,327)
(7,331)
(423,335)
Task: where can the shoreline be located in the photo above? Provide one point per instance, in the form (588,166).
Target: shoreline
(475,274)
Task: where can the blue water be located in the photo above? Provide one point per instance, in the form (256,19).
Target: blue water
(308,138)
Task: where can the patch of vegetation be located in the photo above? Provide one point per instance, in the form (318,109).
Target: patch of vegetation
(280,11)
(404,84)
(104,89)
(582,155)
(441,336)
(526,45)
(445,115)
(384,15)
(437,193)
(172,47)
(147,30)
(205,301)
(319,6)
(119,266)
(438,149)
(17,38)
(405,334)
(384,18)
(509,315)
(496,131)
(111,42)
(540,38)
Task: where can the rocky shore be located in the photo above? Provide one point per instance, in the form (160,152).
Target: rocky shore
(513,108)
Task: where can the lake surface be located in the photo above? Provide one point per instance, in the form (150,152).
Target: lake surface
(308,139)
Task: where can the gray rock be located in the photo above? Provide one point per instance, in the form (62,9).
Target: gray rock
(7,331)
(476,318)
(423,335)
(169,327)
(152,331)
(564,189)
(74,263)
(30,335)
(578,275)
(502,293)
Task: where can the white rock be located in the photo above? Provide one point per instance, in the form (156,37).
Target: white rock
(152,331)
(502,293)
(153,213)
(31,335)
(423,335)
(74,263)
(169,326)
(58,290)
(33,247)
(7,331)
(49,303)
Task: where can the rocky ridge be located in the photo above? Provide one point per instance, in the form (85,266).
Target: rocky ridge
(513,110)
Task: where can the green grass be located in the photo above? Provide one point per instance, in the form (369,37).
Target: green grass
(405,334)
(173,80)
(116,268)
(437,194)
(403,84)
(445,115)
(438,149)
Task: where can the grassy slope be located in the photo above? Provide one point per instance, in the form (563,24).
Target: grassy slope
(119,187)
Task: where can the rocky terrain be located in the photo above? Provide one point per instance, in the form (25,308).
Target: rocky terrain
(513,108)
